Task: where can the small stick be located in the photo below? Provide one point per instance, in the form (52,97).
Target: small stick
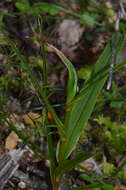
(121,14)
(9,164)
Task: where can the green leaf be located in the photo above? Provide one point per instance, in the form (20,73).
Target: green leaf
(119,66)
(70,164)
(87,20)
(108,187)
(22,62)
(116,104)
(47,8)
(85,101)
(92,186)
(52,157)
(108,168)
(87,178)
(95,187)
(85,72)
(23,6)
(72,81)
(78,188)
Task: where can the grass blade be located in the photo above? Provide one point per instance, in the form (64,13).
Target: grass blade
(83,106)
(70,164)
(52,157)
(72,82)
(23,64)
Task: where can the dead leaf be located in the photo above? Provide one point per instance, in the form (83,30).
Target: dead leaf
(31,118)
(27,120)
(34,116)
(37,159)
(87,165)
(50,117)
(120,187)
(14,105)
(11,141)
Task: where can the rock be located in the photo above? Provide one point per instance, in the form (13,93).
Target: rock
(70,32)
(21,185)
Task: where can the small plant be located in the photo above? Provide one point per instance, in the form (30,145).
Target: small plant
(78,108)
(114,134)
(79,104)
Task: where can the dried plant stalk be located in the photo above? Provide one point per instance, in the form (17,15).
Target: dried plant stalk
(8,165)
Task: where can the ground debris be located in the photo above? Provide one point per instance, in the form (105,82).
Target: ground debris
(70,33)
(11,141)
(8,165)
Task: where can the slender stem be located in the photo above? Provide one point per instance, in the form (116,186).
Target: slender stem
(56,185)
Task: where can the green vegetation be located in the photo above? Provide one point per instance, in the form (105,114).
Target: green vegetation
(80,105)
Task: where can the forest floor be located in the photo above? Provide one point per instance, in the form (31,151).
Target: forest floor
(82,44)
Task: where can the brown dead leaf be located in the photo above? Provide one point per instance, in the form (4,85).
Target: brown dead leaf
(11,141)
(50,117)
(34,116)
(87,165)
(27,120)
(120,187)
(30,118)
(37,159)
(13,118)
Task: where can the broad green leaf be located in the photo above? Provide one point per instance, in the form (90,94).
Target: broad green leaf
(116,104)
(23,6)
(53,9)
(85,101)
(70,164)
(86,178)
(85,72)
(47,8)
(2,14)
(72,81)
(87,187)
(108,187)
(94,187)
(87,20)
